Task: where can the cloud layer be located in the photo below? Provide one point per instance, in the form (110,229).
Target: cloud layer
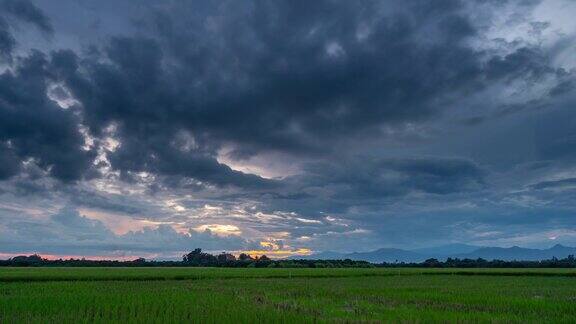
(283,125)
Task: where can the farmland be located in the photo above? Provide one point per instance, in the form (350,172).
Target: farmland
(285,295)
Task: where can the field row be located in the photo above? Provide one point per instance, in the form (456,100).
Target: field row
(404,298)
(155,274)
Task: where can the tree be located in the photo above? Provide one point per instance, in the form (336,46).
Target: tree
(192,255)
(433,263)
(264,258)
(244,257)
(198,258)
(226,257)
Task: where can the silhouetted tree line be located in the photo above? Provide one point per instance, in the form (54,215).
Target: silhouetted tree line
(197,258)
(568,262)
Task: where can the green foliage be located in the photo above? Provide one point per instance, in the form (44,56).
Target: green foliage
(219,295)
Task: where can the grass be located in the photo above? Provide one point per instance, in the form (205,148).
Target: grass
(142,295)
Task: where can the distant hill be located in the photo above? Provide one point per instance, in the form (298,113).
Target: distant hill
(518,253)
(377,256)
(326,255)
(387,255)
(447,250)
(461,251)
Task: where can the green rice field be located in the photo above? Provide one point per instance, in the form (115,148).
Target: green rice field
(224,295)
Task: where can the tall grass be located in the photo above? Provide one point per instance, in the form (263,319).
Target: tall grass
(185,273)
(306,295)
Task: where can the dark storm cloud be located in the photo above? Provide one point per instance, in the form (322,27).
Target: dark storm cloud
(380,178)
(363,97)
(7,41)
(294,76)
(529,63)
(114,203)
(153,139)
(284,76)
(159,158)
(9,163)
(556,132)
(15,11)
(373,183)
(35,129)
(26,11)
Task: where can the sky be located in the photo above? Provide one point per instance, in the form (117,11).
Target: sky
(150,128)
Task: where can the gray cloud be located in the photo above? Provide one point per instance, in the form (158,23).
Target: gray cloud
(555,184)
(385,120)
(381,178)
(68,232)
(7,41)
(36,129)
(14,12)
(26,11)
(234,80)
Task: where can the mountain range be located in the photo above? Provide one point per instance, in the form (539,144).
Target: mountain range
(460,251)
